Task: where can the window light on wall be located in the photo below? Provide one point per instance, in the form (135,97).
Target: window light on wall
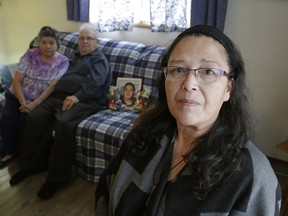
(141,12)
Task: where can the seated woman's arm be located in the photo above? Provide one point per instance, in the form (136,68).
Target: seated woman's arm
(48,91)
(27,106)
(18,88)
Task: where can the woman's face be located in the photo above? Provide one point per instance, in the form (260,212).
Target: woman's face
(193,104)
(48,46)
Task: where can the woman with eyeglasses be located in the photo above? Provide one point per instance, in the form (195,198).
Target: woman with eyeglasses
(191,154)
(37,73)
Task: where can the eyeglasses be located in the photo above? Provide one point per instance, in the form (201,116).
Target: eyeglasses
(202,75)
(89,39)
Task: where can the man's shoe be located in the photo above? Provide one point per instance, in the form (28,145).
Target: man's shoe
(19,176)
(48,189)
(4,163)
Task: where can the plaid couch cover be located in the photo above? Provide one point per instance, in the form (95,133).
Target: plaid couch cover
(99,136)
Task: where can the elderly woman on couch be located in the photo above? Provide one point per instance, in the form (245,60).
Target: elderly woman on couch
(37,73)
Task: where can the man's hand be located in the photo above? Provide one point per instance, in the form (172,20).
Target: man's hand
(69,102)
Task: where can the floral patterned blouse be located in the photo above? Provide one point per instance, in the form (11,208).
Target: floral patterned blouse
(39,74)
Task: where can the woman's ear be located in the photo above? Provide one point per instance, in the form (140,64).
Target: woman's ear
(229,89)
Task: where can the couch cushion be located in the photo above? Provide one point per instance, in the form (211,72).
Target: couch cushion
(6,76)
(98,139)
(136,60)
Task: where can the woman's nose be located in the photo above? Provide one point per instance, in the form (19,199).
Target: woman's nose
(190,82)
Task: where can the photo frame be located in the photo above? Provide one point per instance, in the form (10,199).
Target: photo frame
(119,100)
(121,81)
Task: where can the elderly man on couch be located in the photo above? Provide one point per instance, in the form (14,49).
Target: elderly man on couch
(78,94)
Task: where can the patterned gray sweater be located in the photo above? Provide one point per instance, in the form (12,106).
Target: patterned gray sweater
(125,188)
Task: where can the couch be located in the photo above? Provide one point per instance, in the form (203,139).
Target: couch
(99,136)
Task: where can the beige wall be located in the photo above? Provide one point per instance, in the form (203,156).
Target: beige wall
(3,56)
(259,27)
(22,20)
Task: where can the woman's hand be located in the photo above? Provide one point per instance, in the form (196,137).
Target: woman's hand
(28,106)
(32,105)
(24,108)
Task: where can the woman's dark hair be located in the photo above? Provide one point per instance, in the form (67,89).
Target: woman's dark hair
(218,153)
(47,31)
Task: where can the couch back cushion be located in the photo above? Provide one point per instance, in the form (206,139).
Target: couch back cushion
(135,60)
(127,59)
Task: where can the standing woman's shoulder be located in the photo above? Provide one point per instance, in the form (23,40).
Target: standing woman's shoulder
(259,161)
(265,193)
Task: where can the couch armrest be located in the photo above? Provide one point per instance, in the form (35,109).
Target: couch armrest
(6,75)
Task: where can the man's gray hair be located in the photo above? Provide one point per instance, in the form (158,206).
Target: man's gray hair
(88,26)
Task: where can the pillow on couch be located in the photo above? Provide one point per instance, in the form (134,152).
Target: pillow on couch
(143,98)
(112,97)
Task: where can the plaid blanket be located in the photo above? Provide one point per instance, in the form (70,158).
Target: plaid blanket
(98,140)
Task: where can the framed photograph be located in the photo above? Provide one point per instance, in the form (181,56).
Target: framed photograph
(121,81)
(128,94)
